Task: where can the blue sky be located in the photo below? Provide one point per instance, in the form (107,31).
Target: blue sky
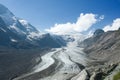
(45,13)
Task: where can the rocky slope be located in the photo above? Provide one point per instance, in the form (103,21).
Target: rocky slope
(105,47)
(14,62)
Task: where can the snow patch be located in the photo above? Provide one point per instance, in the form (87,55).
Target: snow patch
(16,29)
(3,29)
(29,27)
(13,40)
(35,35)
(24,22)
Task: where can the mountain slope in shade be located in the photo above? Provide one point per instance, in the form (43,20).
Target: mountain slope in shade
(18,33)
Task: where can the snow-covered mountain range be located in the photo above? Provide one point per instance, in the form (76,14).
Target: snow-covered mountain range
(19,33)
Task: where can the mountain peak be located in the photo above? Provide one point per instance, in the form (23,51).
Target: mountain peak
(98,32)
(3,9)
(24,22)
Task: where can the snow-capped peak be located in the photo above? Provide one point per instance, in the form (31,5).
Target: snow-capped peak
(24,22)
(28,27)
(34,35)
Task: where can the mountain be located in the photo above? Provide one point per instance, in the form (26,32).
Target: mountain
(90,41)
(21,45)
(18,33)
(104,47)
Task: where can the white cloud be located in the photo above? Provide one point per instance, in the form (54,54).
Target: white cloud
(114,26)
(83,23)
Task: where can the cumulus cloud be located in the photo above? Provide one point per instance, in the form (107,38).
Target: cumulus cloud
(114,26)
(83,23)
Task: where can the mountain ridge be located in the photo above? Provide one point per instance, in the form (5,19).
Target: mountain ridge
(103,46)
(16,32)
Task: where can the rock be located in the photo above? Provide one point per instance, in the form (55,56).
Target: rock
(96,76)
(83,75)
(93,76)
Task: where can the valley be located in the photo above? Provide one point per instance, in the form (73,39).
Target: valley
(67,62)
(62,64)
(26,53)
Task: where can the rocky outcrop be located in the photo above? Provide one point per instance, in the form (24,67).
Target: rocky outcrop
(83,75)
